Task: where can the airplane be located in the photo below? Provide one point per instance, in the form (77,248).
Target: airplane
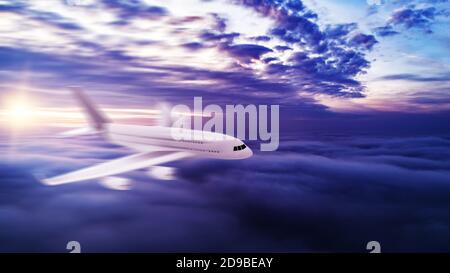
(153,146)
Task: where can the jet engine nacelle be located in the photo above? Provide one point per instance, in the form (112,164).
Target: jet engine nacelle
(116,183)
(162,173)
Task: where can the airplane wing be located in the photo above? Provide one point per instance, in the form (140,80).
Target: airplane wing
(117,166)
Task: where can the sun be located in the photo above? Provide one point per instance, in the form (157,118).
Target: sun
(18,112)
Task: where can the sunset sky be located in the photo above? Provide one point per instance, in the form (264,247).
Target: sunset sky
(322,55)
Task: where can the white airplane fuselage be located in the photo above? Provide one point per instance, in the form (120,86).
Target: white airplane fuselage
(200,143)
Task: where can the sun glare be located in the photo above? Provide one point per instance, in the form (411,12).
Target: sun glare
(18,112)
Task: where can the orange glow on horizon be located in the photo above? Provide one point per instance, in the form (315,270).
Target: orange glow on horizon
(19,113)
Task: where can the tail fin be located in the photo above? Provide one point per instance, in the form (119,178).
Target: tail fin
(96,118)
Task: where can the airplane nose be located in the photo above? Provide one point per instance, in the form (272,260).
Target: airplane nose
(249,152)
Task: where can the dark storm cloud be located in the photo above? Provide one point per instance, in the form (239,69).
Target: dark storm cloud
(311,195)
(331,57)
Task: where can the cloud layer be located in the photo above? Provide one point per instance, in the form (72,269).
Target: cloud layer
(309,196)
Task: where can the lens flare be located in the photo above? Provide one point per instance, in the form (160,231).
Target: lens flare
(18,112)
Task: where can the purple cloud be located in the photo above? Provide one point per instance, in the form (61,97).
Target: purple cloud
(246,52)
(341,56)
(49,18)
(134,8)
(385,31)
(311,195)
(410,16)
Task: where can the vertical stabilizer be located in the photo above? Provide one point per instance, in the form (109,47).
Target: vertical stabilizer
(96,118)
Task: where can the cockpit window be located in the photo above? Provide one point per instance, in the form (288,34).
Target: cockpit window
(240,147)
